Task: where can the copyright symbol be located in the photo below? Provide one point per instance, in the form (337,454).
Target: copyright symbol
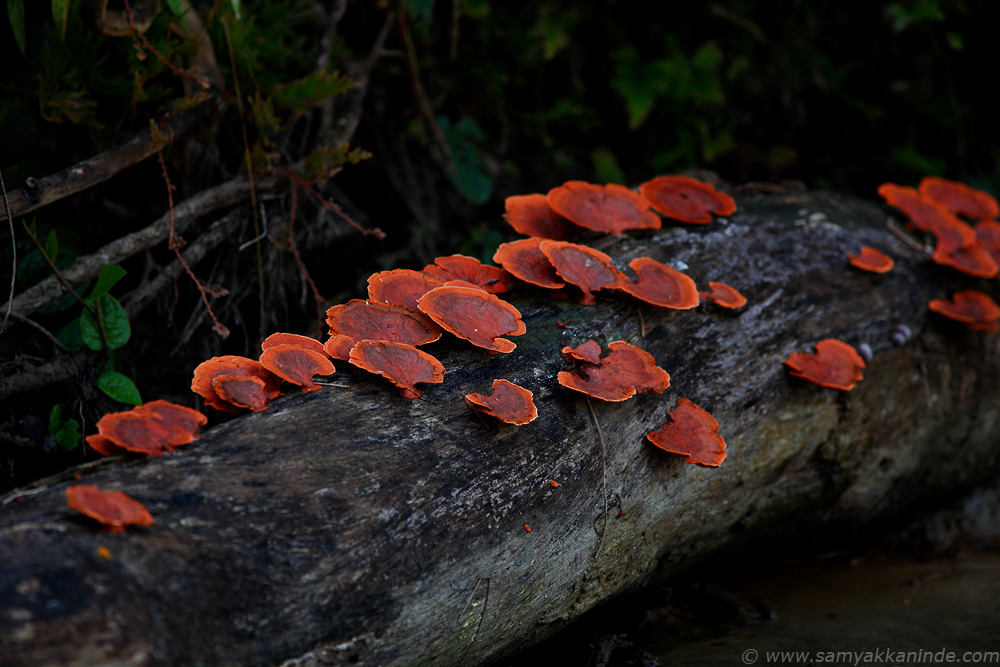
(749,656)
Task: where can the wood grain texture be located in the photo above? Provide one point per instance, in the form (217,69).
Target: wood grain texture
(351,526)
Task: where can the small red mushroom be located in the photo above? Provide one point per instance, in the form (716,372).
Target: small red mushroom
(988,236)
(590,351)
(871,259)
(590,270)
(297,365)
(243,391)
(493,279)
(609,209)
(973,308)
(692,433)
(404,365)
(924,213)
(113,509)
(474,315)
(359,320)
(624,372)
(525,260)
(232,365)
(661,285)
(835,364)
(531,215)
(152,429)
(401,287)
(723,295)
(686,199)
(509,403)
(292,339)
(959,198)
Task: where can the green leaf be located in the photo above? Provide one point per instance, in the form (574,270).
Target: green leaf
(119,387)
(15,12)
(115,321)
(60,12)
(237,9)
(65,431)
(52,246)
(31,229)
(109,275)
(56,417)
(606,168)
(311,90)
(70,336)
(463,139)
(176,6)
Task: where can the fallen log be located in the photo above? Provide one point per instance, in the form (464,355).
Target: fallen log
(352,526)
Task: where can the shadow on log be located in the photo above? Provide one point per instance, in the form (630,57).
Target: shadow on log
(351,526)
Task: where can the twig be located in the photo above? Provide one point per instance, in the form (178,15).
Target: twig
(905,237)
(263,232)
(604,475)
(298,258)
(42,330)
(137,35)
(13,253)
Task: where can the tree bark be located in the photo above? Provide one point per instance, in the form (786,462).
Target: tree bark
(352,526)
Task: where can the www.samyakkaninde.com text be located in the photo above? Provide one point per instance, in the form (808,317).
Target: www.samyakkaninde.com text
(882,656)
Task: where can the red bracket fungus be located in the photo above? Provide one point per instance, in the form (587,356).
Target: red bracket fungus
(243,391)
(297,365)
(359,320)
(959,198)
(401,287)
(525,260)
(625,371)
(230,365)
(590,270)
(686,199)
(531,215)
(723,295)
(474,315)
(293,339)
(693,434)
(988,236)
(509,403)
(609,209)
(113,509)
(151,429)
(924,213)
(973,308)
(871,259)
(660,285)
(589,351)
(835,364)
(493,279)
(402,364)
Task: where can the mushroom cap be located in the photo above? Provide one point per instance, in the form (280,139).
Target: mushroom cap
(624,372)
(609,209)
(402,364)
(114,509)
(835,364)
(401,287)
(525,260)
(152,429)
(509,403)
(968,306)
(474,315)
(723,295)
(531,215)
(959,198)
(692,433)
(988,236)
(493,279)
(104,446)
(660,285)
(207,370)
(292,339)
(297,364)
(973,260)
(590,270)
(923,212)
(243,391)
(368,320)
(871,259)
(686,199)
(590,351)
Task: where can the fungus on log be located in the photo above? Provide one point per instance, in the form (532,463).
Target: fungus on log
(325,528)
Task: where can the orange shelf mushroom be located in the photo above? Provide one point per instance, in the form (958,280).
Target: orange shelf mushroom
(531,215)
(474,315)
(686,199)
(359,320)
(297,365)
(151,429)
(835,364)
(692,433)
(493,279)
(590,270)
(959,198)
(403,365)
(625,371)
(660,285)
(609,209)
(590,351)
(871,259)
(234,366)
(293,339)
(114,509)
(242,391)
(723,295)
(925,213)
(525,260)
(988,236)
(975,309)
(509,403)
(401,287)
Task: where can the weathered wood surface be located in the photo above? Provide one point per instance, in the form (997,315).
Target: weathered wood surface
(351,526)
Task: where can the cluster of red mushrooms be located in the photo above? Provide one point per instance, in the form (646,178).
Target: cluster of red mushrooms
(406,309)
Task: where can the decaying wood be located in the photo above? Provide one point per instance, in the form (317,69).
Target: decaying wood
(351,526)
